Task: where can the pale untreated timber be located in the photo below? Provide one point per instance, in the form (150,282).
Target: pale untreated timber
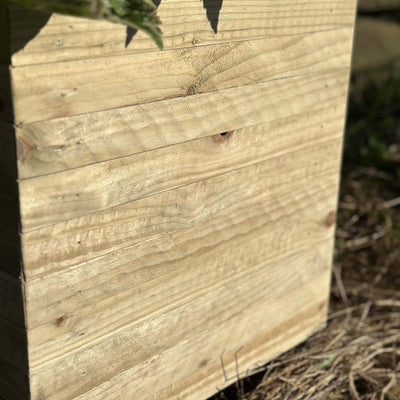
(49,146)
(173,331)
(237,361)
(190,279)
(77,87)
(62,196)
(87,238)
(80,239)
(184,25)
(177,207)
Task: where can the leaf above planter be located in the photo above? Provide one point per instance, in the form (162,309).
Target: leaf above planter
(138,14)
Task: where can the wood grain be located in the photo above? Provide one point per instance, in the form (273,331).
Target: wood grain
(77,87)
(189,277)
(62,196)
(221,315)
(184,25)
(49,146)
(176,207)
(78,240)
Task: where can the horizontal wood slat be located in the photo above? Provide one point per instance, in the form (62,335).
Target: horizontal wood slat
(237,361)
(168,216)
(85,238)
(224,304)
(151,285)
(50,146)
(72,193)
(184,25)
(78,87)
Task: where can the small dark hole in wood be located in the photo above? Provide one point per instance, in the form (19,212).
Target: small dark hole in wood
(223,133)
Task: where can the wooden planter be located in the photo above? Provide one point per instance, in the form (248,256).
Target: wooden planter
(167,216)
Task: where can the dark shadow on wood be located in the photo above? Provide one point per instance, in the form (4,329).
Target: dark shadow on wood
(14,381)
(213,7)
(37,20)
(130,33)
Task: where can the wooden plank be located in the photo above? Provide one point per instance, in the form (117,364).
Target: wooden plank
(221,315)
(63,89)
(193,380)
(72,193)
(184,25)
(128,284)
(77,241)
(90,319)
(49,146)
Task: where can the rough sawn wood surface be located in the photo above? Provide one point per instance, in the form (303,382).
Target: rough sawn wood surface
(168,217)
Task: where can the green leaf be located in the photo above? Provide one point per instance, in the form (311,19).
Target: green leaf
(323,364)
(138,14)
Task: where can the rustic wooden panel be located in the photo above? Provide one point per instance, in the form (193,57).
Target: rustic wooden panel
(222,314)
(185,282)
(76,241)
(184,25)
(154,248)
(77,87)
(195,381)
(59,197)
(72,193)
(50,146)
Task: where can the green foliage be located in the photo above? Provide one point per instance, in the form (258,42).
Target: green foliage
(138,14)
(373,127)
